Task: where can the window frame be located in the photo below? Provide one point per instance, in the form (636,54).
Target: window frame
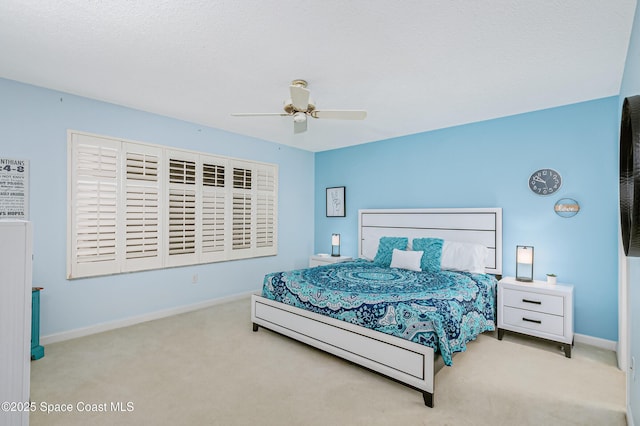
(209,210)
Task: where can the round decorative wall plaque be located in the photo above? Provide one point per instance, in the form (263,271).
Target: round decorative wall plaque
(566,207)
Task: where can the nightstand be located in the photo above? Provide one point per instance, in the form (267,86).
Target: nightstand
(316,260)
(536,309)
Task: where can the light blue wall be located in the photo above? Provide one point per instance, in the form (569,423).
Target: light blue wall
(487,164)
(631,87)
(33,126)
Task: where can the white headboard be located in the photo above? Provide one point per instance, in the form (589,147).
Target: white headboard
(473,225)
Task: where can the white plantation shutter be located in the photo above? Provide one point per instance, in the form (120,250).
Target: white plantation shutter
(254,210)
(241,217)
(265,220)
(142,172)
(241,209)
(181,220)
(136,206)
(213,209)
(266,209)
(94,205)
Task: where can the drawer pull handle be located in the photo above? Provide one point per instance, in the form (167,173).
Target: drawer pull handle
(535,302)
(530,320)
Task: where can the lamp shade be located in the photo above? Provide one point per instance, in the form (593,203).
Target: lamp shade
(335,245)
(524,263)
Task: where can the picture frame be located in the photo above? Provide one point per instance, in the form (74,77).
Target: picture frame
(336,201)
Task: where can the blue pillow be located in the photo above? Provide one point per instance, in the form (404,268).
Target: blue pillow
(432,248)
(385,249)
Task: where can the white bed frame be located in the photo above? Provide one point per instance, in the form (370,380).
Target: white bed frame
(402,360)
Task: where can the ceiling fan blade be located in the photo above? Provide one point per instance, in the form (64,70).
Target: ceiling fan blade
(340,114)
(299,97)
(251,114)
(299,126)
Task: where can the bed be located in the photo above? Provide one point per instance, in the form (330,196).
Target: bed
(342,308)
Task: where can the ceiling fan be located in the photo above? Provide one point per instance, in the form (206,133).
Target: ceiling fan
(300,107)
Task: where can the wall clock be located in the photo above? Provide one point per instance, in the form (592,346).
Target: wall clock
(630,175)
(545,181)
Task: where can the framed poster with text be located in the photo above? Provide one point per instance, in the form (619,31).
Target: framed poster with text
(14,188)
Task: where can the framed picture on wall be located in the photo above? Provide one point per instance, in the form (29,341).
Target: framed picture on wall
(335,202)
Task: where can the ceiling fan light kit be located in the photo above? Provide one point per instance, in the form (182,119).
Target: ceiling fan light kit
(299,106)
(299,117)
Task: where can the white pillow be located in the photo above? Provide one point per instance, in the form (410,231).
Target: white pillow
(466,257)
(405,259)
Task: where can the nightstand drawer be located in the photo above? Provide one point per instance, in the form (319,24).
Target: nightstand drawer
(544,323)
(537,302)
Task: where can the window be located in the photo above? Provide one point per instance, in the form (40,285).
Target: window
(136,206)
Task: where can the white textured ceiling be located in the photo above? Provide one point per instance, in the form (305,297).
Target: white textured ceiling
(413,65)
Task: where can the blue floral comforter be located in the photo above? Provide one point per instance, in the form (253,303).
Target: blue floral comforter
(443,310)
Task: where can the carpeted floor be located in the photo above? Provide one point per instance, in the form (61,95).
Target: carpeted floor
(208,368)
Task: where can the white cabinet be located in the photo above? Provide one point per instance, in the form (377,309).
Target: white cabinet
(536,309)
(15,319)
(317,260)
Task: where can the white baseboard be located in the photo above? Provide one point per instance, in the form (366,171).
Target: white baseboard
(596,341)
(99,328)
